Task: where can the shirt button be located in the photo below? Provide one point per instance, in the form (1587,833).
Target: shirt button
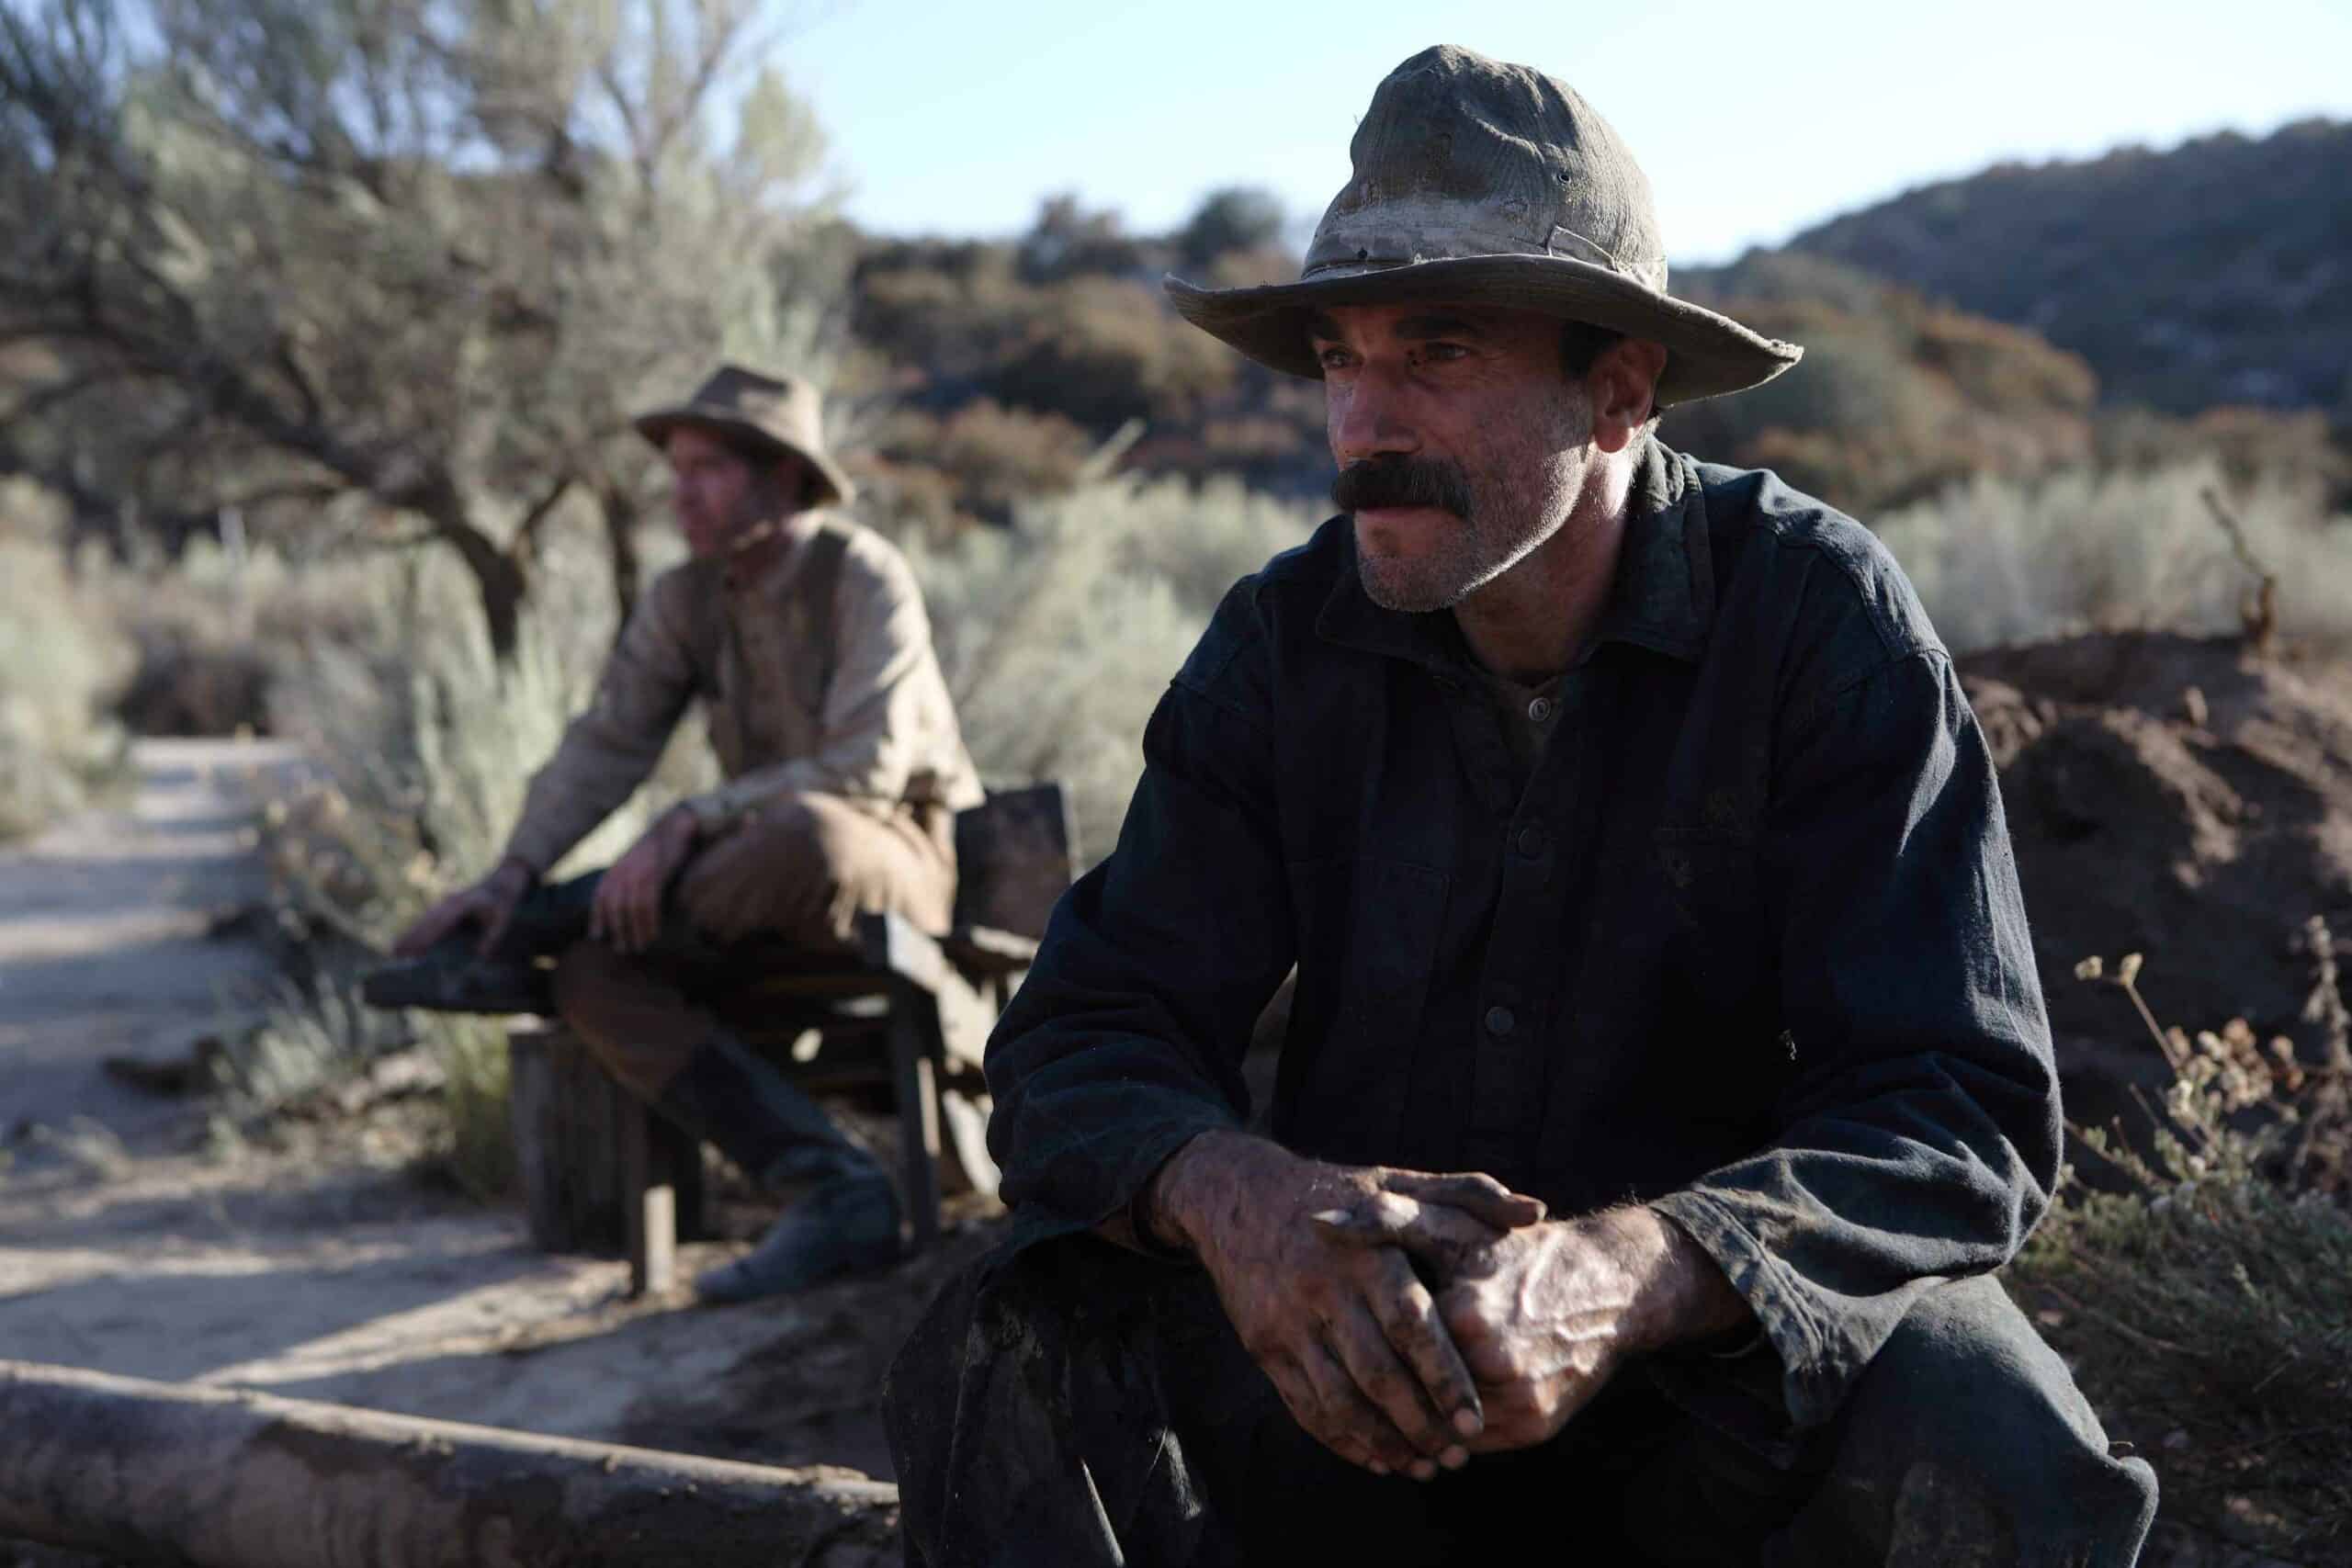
(1531,841)
(1499,1021)
(1539,709)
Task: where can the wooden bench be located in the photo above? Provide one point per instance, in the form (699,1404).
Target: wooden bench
(911,1012)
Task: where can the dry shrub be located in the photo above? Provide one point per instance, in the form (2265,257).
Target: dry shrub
(1896,398)
(60,662)
(426,742)
(935,474)
(2006,561)
(2291,451)
(1105,350)
(1059,633)
(2205,1305)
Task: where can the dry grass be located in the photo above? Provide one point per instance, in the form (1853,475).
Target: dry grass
(2001,561)
(60,665)
(379,664)
(1059,633)
(2205,1306)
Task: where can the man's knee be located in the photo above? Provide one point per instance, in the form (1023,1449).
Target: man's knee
(778,872)
(586,986)
(1036,1393)
(1966,1441)
(804,866)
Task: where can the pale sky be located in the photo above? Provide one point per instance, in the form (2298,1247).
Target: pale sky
(956,117)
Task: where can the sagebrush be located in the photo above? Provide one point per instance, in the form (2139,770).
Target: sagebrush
(60,665)
(2000,561)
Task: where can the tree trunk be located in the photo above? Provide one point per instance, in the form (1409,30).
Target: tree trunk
(217,1478)
(500,576)
(620,537)
(501,580)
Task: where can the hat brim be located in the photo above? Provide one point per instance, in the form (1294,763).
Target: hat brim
(726,424)
(1708,355)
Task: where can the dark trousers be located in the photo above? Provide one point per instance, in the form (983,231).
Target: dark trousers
(1073,1404)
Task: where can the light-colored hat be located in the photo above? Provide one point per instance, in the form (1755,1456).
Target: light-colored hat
(1478,182)
(780,411)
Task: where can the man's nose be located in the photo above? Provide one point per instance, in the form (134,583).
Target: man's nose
(1370,419)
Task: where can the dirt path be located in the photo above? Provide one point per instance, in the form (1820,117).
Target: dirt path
(132,1243)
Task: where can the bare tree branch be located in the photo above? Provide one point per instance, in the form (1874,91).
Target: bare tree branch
(527,535)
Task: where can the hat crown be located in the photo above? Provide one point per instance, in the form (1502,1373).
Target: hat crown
(785,406)
(1460,155)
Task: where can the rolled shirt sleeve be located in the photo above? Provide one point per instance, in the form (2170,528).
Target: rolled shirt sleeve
(1920,1138)
(611,746)
(1126,1039)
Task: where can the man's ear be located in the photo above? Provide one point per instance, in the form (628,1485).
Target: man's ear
(1623,385)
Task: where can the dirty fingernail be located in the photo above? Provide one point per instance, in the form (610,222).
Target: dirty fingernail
(1423,1470)
(1466,1422)
(1378,1468)
(1454,1458)
(1338,1217)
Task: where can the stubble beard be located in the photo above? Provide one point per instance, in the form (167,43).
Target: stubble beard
(1525,494)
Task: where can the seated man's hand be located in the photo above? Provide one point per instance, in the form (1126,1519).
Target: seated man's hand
(1549,1312)
(1310,1261)
(489,905)
(627,910)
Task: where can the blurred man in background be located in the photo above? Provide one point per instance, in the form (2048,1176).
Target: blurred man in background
(804,637)
(1667,1069)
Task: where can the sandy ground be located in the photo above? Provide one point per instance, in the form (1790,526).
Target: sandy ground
(323,1266)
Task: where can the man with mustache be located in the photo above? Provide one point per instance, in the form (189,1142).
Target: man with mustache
(1666,1070)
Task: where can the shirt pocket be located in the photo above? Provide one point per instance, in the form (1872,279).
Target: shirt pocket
(1371,936)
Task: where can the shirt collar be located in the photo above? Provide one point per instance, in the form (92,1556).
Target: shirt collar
(1663,599)
(763,558)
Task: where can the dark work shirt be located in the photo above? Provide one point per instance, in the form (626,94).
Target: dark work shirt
(1749,946)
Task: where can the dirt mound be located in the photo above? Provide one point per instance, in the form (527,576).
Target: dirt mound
(2177,797)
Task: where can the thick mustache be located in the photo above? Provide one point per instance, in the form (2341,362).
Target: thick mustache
(1403,482)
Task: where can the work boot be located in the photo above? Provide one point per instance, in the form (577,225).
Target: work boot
(450,976)
(847,1225)
(847,1220)
(455,976)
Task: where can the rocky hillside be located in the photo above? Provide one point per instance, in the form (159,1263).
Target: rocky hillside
(2218,272)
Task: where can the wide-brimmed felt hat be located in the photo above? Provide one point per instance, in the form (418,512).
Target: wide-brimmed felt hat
(781,413)
(1481,183)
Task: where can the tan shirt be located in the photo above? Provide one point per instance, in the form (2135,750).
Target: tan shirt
(880,734)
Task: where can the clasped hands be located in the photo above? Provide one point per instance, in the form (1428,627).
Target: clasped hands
(1410,1320)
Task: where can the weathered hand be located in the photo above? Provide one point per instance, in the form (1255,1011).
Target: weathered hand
(1331,1307)
(489,904)
(627,909)
(1549,1312)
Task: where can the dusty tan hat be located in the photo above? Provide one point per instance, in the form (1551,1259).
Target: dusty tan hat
(1481,182)
(782,412)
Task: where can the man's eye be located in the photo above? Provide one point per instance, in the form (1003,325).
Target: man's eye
(1333,357)
(1443,351)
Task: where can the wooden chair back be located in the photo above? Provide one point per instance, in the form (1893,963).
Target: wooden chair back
(1015,854)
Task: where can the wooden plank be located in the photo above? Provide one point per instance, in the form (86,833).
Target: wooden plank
(647,1206)
(984,949)
(913,1027)
(1015,853)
